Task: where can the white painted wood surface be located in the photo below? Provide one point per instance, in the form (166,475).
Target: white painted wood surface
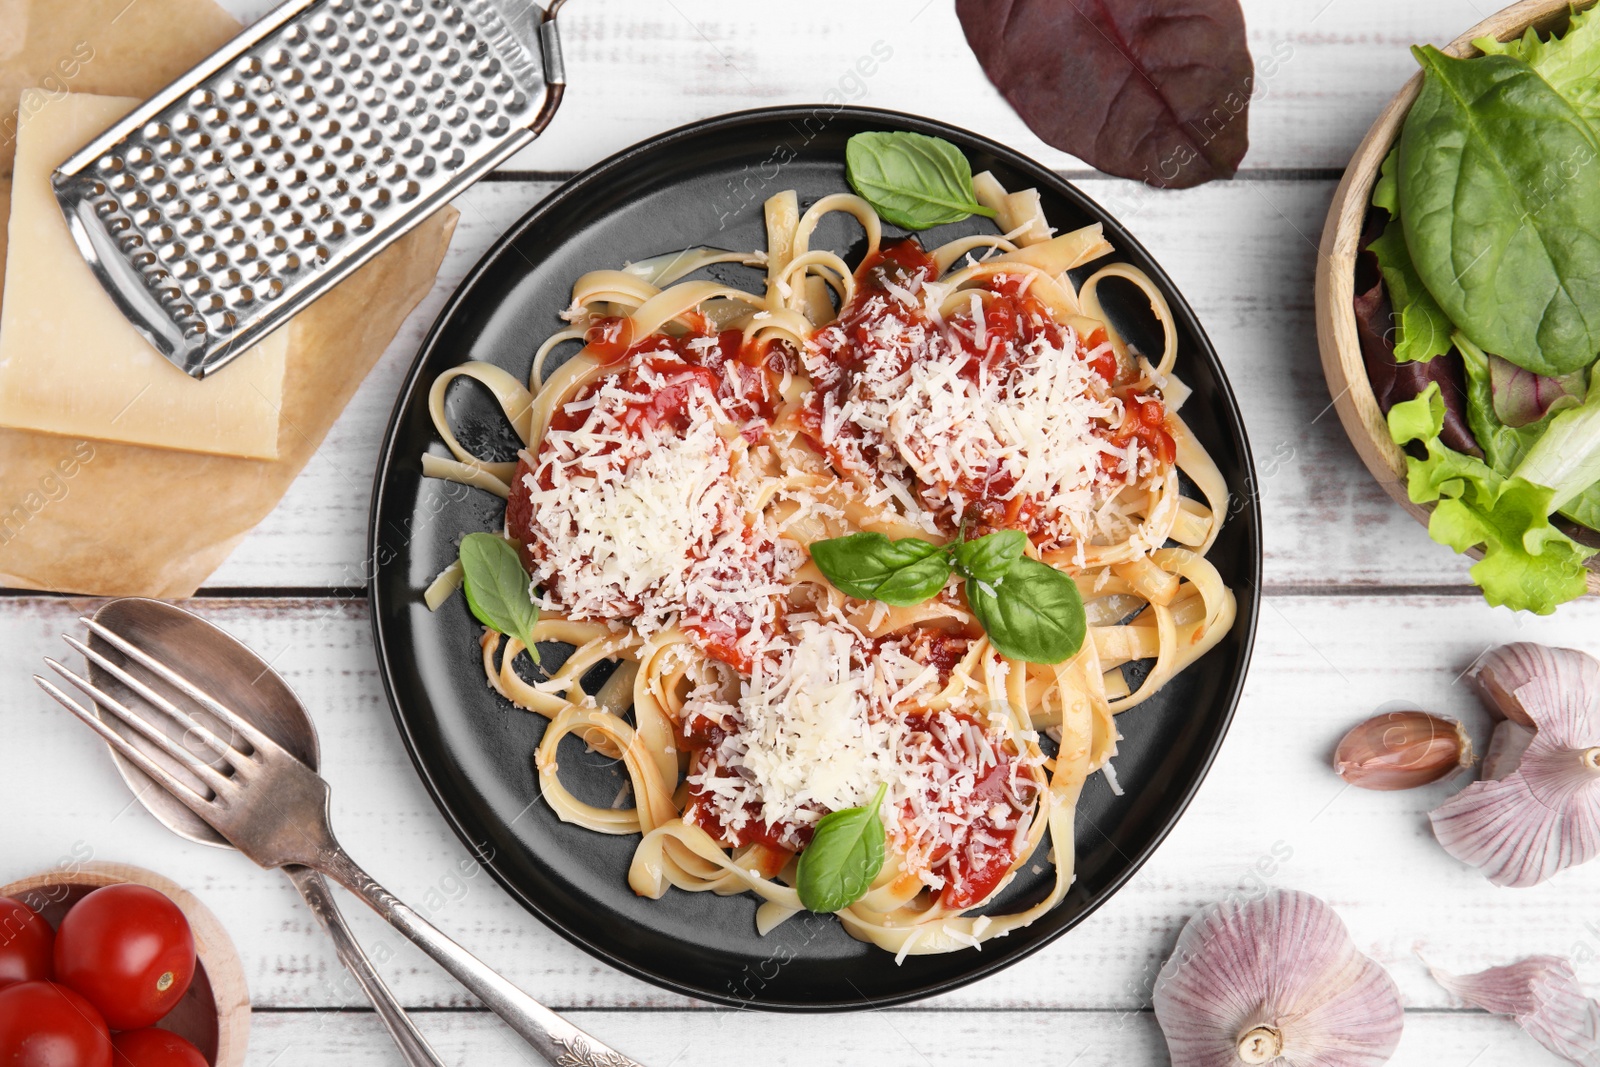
(1361,612)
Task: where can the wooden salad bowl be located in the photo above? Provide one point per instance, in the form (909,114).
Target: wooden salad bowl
(215,1014)
(1352,393)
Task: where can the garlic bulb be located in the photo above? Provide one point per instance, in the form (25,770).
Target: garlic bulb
(1506,746)
(1544,815)
(1401,750)
(1275,980)
(1542,994)
(1504,670)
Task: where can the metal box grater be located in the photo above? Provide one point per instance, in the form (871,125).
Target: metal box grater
(237,195)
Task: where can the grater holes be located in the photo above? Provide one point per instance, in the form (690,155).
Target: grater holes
(324,25)
(122,183)
(247,66)
(409,191)
(516,101)
(453,159)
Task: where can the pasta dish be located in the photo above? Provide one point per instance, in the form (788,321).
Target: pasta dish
(700,442)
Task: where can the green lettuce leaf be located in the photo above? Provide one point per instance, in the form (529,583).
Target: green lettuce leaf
(1527,563)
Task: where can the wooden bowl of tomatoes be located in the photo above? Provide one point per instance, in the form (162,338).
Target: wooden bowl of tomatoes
(107,965)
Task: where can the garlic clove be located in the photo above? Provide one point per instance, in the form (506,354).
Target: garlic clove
(1506,747)
(1275,978)
(1504,670)
(1543,995)
(1402,750)
(1543,816)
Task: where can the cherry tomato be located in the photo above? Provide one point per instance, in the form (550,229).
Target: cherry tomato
(26,943)
(43,1024)
(128,949)
(154,1048)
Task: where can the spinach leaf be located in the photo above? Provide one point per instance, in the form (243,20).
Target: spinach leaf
(1032,613)
(987,558)
(498,588)
(869,566)
(1501,225)
(1156,90)
(912,180)
(845,855)
(1570,63)
(1422,329)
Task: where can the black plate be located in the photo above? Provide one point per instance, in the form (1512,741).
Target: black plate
(704,184)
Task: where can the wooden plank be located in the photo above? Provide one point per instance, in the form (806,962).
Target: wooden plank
(1271,813)
(1327,523)
(905,1037)
(1324,68)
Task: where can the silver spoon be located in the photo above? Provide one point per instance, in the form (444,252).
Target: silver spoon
(271,707)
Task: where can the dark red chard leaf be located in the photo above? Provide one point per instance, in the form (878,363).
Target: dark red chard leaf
(1157,90)
(1393,381)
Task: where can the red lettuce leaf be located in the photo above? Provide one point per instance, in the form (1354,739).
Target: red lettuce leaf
(1157,90)
(1395,382)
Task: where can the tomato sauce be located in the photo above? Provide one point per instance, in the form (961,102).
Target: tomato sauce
(700,737)
(664,372)
(971,874)
(1012,320)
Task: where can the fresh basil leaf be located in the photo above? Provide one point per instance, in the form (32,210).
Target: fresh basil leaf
(1501,209)
(845,855)
(1033,613)
(912,180)
(987,558)
(498,588)
(869,566)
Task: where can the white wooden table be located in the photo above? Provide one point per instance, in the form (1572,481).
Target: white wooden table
(1361,611)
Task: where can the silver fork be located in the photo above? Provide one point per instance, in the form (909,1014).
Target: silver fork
(274,809)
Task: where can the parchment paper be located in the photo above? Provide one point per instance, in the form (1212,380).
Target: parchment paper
(109,519)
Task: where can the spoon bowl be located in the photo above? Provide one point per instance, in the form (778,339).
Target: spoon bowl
(211,658)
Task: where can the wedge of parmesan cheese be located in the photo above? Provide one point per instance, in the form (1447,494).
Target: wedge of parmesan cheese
(69,362)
